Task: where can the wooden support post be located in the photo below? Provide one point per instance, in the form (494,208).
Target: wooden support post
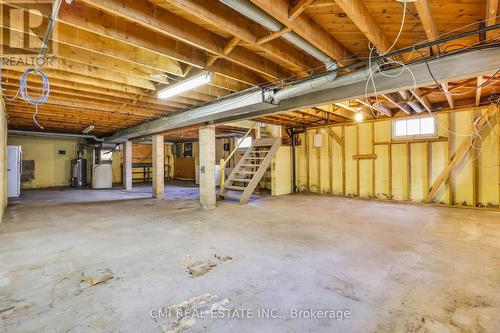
(408,171)
(389,169)
(343,160)
(428,158)
(475,167)
(306,146)
(340,141)
(330,161)
(222,177)
(498,155)
(373,161)
(318,164)
(158,166)
(357,162)
(451,141)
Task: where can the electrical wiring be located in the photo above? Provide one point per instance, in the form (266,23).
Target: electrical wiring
(23,91)
(23,82)
(476,140)
(412,48)
(456,94)
(453,45)
(400,30)
(23,87)
(409,10)
(475,132)
(377,68)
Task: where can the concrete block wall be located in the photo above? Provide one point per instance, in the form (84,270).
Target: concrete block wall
(51,168)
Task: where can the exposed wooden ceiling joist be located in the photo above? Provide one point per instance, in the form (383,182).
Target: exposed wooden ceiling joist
(491,18)
(363,19)
(298,8)
(174,26)
(430,27)
(217,14)
(307,28)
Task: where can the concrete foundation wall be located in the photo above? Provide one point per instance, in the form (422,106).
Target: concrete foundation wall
(401,171)
(51,168)
(3,159)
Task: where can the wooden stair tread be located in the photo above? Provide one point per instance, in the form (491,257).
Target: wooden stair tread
(260,151)
(235,188)
(230,195)
(251,168)
(243,180)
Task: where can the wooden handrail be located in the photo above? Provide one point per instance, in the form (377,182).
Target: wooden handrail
(224,162)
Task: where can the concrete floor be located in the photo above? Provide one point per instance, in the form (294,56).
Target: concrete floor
(70,266)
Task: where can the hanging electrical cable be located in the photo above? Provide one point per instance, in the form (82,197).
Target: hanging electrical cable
(44,96)
(23,82)
(377,68)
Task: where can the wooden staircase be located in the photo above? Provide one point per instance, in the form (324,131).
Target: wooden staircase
(250,169)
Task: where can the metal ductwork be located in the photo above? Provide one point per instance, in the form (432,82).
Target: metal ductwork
(248,9)
(229,108)
(323,82)
(319,90)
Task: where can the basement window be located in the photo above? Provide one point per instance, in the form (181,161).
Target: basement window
(244,142)
(422,127)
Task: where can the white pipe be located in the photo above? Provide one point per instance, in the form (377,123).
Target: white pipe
(256,14)
(49,134)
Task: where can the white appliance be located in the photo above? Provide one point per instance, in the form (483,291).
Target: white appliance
(102,169)
(14,170)
(217,175)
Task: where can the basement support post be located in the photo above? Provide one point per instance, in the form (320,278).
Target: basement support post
(207,167)
(158,166)
(127,165)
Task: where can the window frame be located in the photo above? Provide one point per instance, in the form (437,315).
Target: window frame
(414,136)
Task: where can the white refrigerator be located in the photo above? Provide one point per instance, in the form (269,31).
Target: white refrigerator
(14,170)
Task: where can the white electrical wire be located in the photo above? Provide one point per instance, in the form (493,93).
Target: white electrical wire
(23,91)
(476,140)
(400,29)
(23,87)
(377,68)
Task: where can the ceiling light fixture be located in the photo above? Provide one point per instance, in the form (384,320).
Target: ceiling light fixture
(358,117)
(88,129)
(185,85)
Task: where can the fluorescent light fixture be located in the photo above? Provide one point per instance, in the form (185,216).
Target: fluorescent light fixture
(88,129)
(358,117)
(185,85)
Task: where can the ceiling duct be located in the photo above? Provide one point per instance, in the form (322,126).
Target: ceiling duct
(228,108)
(319,90)
(256,14)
